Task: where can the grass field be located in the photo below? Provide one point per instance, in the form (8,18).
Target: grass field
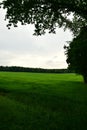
(34,101)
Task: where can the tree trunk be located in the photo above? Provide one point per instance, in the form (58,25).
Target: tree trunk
(85,79)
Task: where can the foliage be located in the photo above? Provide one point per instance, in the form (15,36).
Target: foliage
(77,54)
(38,70)
(47,14)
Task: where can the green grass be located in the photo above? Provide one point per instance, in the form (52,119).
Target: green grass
(33,101)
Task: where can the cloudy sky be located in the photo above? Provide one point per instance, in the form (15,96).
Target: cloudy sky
(18,47)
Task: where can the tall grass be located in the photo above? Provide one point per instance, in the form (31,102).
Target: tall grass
(31,101)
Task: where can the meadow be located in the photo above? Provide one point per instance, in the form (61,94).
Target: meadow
(39,101)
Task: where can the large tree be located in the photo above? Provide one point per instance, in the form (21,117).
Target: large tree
(47,14)
(77,54)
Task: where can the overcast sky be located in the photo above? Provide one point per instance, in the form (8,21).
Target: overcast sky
(18,47)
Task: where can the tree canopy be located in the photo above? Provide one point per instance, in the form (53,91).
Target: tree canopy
(47,14)
(77,54)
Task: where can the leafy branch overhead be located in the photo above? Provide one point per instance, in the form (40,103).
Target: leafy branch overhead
(47,14)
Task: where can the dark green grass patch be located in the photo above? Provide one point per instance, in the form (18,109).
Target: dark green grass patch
(31,101)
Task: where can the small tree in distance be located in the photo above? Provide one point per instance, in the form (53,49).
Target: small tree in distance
(76,54)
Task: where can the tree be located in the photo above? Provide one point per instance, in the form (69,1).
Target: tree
(47,14)
(77,54)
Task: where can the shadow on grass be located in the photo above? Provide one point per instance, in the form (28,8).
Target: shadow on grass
(63,95)
(61,106)
(4,91)
(66,96)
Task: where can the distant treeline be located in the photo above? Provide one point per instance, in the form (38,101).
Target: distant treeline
(38,70)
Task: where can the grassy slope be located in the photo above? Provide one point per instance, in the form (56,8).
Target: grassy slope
(30,101)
